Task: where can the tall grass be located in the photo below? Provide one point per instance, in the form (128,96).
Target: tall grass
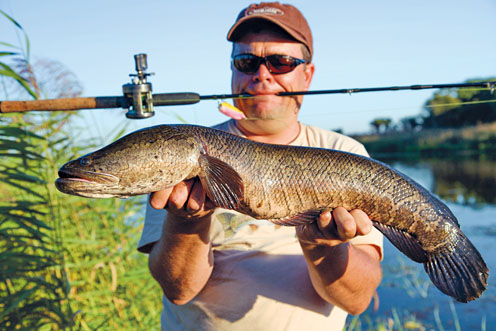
(65,262)
(33,289)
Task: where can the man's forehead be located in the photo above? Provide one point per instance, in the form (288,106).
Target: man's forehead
(267,40)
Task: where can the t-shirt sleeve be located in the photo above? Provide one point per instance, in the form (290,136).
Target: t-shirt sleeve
(152,228)
(359,149)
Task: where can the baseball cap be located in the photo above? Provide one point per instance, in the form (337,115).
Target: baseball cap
(286,16)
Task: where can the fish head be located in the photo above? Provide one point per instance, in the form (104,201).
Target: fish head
(142,162)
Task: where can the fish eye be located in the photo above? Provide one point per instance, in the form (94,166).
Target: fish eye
(85,161)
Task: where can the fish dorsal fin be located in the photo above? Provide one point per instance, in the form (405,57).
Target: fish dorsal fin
(221,182)
(298,219)
(407,244)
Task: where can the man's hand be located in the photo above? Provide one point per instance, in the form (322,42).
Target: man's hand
(335,228)
(341,273)
(182,260)
(185,200)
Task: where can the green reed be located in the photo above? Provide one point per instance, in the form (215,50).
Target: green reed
(65,262)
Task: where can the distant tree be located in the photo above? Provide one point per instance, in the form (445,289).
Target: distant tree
(376,124)
(379,123)
(460,107)
(410,123)
(387,124)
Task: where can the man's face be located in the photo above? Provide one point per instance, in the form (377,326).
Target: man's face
(264,84)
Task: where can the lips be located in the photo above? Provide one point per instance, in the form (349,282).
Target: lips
(261,93)
(260,89)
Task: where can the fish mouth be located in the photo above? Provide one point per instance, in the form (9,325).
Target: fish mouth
(87,184)
(85,176)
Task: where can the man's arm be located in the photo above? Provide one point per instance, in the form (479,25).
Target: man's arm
(182,260)
(342,274)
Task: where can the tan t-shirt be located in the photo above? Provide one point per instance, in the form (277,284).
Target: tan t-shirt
(260,279)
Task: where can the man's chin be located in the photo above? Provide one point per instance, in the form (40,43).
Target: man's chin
(262,109)
(265,114)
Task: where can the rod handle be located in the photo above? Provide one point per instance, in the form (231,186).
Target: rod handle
(62,104)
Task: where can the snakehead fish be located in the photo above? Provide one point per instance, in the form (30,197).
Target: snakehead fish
(287,185)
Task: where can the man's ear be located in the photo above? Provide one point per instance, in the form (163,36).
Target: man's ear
(309,71)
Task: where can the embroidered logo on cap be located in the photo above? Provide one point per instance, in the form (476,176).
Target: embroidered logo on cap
(265,11)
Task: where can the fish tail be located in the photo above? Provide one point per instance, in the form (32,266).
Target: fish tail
(458,269)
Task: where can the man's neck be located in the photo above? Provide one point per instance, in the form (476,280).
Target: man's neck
(283,136)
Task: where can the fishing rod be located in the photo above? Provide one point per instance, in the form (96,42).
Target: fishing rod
(138,98)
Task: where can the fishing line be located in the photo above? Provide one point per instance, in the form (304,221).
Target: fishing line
(460,103)
(390,109)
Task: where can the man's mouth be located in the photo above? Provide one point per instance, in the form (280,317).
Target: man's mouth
(262,93)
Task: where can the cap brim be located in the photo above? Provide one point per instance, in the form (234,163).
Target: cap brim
(236,31)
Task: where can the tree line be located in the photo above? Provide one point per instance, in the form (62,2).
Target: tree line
(447,108)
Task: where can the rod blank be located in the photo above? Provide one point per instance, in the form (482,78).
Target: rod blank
(186,98)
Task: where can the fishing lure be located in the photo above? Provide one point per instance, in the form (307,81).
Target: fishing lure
(231,111)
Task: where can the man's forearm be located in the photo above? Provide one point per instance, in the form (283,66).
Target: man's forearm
(182,260)
(344,275)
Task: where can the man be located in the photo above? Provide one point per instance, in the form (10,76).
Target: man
(262,277)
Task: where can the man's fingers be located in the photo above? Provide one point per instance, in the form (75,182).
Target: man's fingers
(345,223)
(324,219)
(158,200)
(363,222)
(196,197)
(180,194)
(333,228)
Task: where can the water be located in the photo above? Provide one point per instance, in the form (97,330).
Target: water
(468,186)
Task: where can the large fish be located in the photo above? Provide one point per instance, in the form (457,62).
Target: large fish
(287,185)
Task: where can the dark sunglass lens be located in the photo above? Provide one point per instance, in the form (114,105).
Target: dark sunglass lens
(246,63)
(281,64)
(277,64)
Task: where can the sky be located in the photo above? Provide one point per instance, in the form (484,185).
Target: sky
(356,44)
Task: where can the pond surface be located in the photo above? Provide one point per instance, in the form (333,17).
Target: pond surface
(468,186)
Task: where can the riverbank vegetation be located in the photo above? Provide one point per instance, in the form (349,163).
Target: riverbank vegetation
(477,139)
(452,120)
(65,262)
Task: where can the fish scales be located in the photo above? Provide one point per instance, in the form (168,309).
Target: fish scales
(287,185)
(285,176)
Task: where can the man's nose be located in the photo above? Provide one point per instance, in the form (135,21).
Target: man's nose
(262,74)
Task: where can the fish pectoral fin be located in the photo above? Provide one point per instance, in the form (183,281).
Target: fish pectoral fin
(222,184)
(407,244)
(298,219)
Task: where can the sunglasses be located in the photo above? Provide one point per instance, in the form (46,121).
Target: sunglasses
(276,64)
